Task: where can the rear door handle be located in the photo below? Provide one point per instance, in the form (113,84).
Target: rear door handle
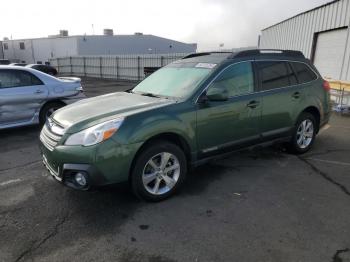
(296,95)
(253,104)
(38,91)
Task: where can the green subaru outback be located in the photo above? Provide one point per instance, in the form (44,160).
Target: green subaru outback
(200,107)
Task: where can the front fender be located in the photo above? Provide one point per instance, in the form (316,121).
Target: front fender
(179,119)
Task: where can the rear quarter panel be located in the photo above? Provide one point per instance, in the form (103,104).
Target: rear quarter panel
(316,97)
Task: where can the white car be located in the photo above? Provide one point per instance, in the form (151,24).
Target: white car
(28,96)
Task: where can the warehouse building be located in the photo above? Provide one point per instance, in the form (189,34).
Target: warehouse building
(322,34)
(41,50)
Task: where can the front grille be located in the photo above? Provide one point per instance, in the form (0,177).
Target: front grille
(50,138)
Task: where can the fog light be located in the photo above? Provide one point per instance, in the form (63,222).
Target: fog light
(80,179)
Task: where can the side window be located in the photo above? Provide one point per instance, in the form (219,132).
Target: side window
(274,74)
(304,73)
(291,75)
(238,79)
(35,81)
(28,79)
(8,79)
(17,78)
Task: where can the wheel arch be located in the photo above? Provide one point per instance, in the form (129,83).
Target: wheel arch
(52,101)
(316,113)
(171,137)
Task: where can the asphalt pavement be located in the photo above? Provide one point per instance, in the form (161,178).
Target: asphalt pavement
(255,205)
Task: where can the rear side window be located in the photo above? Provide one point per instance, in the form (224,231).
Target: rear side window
(17,78)
(304,73)
(291,75)
(238,79)
(28,79)
(275,74)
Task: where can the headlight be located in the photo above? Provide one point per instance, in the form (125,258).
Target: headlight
(95,134)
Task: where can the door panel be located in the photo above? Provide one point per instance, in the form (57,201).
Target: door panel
(225,124)
(278,110)
(281,94)
(19,103)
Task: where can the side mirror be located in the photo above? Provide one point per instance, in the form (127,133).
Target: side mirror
(217,94)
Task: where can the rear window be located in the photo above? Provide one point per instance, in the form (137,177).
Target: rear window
(275,74)
(304,73)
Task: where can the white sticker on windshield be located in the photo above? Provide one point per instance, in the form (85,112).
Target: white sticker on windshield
(205,65)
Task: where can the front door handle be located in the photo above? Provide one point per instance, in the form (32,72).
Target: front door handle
(38,91)
(296,95)
(253,104)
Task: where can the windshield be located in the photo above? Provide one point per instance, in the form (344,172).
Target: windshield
(175,80)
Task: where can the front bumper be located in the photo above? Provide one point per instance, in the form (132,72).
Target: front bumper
(65,175)
(102,164)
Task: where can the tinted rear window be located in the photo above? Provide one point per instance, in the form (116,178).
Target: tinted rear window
(304,73)
(275,74)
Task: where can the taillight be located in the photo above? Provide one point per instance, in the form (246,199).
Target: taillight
(326,86)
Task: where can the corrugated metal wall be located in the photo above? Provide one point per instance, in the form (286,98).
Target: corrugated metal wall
(130,44)
(298,33)
(126,67)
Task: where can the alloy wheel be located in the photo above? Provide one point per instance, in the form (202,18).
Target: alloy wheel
(161,173)
(305,133)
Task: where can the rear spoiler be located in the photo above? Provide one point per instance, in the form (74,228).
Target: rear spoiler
(70,79)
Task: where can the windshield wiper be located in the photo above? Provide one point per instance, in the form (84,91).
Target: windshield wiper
(150,95)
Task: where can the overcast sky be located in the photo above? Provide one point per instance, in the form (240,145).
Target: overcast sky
(236,23)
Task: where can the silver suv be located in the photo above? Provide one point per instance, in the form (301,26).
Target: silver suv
(28,96)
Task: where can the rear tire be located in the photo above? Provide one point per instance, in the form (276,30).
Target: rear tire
(159,171)
(47,110)
(304,134)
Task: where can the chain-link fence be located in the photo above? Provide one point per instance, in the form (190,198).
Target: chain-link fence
(124,67)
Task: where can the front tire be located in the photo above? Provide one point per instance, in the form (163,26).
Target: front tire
(304,134)
(47,110)
(159,171)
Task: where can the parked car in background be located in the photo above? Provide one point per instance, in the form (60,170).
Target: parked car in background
(184,114)
(44,68)
(28,96)
(4,62)
(18,64)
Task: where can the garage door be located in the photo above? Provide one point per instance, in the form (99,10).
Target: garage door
(329,52)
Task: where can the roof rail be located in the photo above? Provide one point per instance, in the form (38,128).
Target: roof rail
(204,54)
(267,52)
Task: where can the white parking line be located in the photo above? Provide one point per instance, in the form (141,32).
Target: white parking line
(10,182)
(329,161)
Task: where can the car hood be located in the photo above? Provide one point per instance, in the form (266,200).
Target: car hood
(91,111)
